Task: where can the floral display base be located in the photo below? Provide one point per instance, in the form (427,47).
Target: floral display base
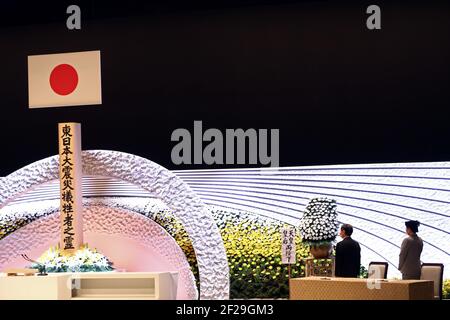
(321,251)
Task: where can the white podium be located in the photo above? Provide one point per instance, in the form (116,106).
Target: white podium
(57,286)
(91,285)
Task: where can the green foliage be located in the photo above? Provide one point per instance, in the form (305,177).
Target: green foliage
(446,289)
(253,247)
(363,272)
(317,243)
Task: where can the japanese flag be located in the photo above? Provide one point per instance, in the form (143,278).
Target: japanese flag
(64,79)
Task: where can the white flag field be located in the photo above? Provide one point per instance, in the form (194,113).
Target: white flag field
(64,79)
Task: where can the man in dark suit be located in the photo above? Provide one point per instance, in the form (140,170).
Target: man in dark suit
(348,254)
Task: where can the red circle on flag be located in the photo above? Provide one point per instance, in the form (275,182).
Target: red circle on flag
(64,79)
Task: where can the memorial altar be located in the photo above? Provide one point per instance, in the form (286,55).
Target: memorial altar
(76,271)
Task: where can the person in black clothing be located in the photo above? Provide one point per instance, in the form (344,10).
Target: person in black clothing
(348,254)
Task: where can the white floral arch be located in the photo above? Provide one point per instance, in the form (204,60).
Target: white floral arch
(161,183)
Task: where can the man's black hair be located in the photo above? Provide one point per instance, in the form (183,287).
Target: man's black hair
(348,229)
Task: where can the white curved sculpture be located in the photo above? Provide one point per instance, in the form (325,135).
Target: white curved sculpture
(161,183)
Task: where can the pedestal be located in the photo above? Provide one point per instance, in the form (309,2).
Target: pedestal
(51,287)
(319,267)
(91,285)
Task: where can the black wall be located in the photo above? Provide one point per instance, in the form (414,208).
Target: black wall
(338,92)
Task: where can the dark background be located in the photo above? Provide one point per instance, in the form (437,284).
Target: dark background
(338,92)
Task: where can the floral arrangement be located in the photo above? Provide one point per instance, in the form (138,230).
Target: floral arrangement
(319,223)
(446,289)
(253,247)
(83,260)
